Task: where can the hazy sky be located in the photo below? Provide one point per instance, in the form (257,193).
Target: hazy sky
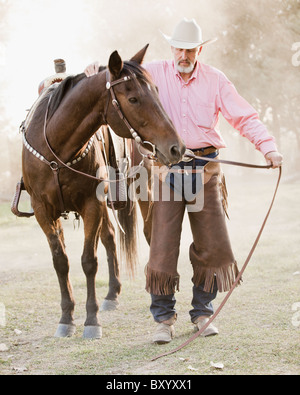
(81,31)
(40,31)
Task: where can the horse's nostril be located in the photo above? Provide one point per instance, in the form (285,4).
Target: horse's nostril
(175,152)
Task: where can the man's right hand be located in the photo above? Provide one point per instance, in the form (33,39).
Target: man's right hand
(92,69)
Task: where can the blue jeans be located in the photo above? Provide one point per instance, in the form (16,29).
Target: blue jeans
(163,306)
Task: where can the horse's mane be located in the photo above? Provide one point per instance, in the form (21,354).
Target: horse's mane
(70,82)
(138,70)
(62,90)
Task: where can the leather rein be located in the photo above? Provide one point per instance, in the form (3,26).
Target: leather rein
(133,132)
(57,164)
(190,156)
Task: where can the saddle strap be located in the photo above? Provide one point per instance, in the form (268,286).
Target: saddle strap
(238,278)
(55,170)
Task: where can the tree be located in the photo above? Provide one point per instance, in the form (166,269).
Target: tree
(257,55)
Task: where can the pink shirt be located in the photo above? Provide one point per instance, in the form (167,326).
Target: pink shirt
(194,106)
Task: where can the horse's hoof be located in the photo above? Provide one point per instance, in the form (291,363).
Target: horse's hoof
(92,332)
(109,305)
(65,330)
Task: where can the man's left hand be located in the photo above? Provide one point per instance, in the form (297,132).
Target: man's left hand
(274,158)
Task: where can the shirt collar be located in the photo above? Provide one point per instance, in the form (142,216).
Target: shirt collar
(192,77)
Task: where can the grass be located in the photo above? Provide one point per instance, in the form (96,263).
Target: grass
(256,332)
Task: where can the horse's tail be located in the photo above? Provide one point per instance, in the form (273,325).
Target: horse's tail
(128,241)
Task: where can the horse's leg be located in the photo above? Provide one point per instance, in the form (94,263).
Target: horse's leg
(107,235)
(54,233)
(93,222)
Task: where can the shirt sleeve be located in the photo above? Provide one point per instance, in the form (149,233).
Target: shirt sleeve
(243,117)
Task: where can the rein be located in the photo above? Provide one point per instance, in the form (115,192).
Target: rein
(135,136)
(56,166)
(190,156)
(68,165)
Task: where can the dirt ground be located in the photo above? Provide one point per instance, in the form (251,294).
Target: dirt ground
(259,328)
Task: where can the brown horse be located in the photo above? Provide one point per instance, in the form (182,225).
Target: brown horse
(60,132)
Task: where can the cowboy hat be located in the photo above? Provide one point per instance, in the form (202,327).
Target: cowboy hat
(187,35)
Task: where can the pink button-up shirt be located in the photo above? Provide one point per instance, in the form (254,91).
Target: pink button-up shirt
(194,106)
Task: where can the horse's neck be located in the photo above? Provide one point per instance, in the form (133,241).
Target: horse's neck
(78,117)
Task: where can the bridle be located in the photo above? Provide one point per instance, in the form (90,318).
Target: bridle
(58,163)
(110,87)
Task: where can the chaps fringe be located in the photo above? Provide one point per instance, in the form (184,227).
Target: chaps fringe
(160,283)
(225,277)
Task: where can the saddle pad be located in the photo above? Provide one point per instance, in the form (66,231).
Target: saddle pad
(36,104)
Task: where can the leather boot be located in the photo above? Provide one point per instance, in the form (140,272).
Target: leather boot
(165,331)
(211,330)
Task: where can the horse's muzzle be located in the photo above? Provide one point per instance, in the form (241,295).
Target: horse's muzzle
(176,152)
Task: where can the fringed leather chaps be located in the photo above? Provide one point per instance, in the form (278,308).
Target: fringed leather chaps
(210,253)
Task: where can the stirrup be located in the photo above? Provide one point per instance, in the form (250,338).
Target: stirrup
(15,203)
(118,199)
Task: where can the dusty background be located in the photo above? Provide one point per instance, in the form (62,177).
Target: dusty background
(258,48)
(259,326)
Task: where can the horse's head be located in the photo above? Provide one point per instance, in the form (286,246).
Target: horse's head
(135,108)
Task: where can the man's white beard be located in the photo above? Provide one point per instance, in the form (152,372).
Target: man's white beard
(185,70)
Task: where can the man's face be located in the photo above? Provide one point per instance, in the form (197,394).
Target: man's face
(185,59)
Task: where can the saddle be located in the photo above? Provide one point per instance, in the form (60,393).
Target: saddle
(116,155)
(20,187)
(116,152)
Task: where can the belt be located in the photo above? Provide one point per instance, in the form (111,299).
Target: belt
(204,151)
(198,152)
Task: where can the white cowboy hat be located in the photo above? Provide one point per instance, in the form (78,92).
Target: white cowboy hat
(187,35)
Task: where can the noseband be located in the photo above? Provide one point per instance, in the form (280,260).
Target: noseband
(109,86)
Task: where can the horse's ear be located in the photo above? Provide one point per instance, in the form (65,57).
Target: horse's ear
(115,64)
(139,57)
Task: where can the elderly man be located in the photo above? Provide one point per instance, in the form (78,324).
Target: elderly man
(193,94)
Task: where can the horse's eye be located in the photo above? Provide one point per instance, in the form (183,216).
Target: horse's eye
(133,100)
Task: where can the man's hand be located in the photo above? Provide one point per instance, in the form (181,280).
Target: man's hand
(274,158)
(92,69)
